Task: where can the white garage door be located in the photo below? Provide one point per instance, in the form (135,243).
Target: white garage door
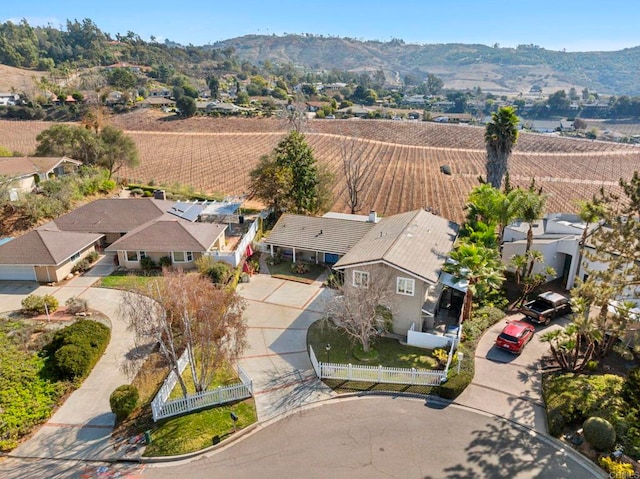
(12,272)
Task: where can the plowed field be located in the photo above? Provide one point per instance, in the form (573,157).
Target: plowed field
(216,155)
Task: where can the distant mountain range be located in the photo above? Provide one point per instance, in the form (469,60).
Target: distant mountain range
(495,69)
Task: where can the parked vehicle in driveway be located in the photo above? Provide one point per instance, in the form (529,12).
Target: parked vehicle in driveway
(546,307)
(515,336)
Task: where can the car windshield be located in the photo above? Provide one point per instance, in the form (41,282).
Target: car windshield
(508,337)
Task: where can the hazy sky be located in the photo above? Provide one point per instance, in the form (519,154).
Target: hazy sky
(583,25)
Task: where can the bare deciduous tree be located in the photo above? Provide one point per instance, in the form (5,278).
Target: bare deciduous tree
(187,312)
(355,170)
(358,310)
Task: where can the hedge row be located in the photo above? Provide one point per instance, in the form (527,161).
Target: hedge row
(75,350)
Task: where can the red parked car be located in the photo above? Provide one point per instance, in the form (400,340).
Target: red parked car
(515,336)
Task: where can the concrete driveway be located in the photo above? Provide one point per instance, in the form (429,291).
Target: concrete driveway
(278,314)
(81,427)
(509,385)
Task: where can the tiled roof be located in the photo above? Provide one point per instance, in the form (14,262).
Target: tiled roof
(417,242)
(113,215)
(330,235)
(170,233)
(45,247)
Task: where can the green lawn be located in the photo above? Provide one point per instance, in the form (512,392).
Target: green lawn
(127,280)
(224,377)
(283,270)
(390,352)
(196,431)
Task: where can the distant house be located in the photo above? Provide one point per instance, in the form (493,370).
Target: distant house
(157,102)
(27,171)
(9,98)
(160,93)
(357,111)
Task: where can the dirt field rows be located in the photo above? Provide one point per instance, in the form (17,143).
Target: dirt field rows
(216,155)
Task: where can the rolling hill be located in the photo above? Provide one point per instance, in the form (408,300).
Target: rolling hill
(499,70)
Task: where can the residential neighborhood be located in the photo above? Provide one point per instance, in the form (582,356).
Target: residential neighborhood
(287,254)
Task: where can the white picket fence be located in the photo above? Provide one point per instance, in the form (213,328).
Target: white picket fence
(377,374)
(161,408)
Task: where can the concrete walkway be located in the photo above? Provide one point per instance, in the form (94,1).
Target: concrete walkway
(279,313)
(81,428)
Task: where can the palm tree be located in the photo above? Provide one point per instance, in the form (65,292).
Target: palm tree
(531,208)
(479,266)
(500,135)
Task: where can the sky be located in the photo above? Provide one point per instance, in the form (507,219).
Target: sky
(568,25)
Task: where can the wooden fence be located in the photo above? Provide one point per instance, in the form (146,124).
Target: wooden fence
(377,374)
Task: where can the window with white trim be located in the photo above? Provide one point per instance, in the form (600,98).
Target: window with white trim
(182,256)
(406,286)
(361,278)
(132,256)
(75,257)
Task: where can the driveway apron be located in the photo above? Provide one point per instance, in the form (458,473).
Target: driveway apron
(278,313)
(509,385)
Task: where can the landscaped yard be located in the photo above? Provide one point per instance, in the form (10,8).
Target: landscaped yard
(186,433)
(305,272)
(127,280)
(390,352)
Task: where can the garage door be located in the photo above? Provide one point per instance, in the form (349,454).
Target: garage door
(17,273)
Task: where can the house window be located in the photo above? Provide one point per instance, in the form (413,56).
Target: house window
(132,256)
(142,254)
(75,257)
(406,286)
(361,278)
(182,256)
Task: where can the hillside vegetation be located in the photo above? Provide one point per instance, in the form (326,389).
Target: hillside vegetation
(510,70)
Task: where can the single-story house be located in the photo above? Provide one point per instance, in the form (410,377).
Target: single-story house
(158,101)
(113,217)
(316,239)
(355,110)
(8,98)
(182,241)
(410,248)
(45,254)
(27,171)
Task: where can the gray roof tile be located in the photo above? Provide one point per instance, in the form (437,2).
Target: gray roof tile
(417,242)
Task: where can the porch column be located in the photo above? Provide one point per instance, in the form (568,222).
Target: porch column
(271,246)
(316,257)
(294,255)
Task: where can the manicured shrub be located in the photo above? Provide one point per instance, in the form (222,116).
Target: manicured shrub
(74,350)
(137,192)
(599,433)
(124,400)
(483,319)
(92,257)
(165,262)
(147,263)
(81,266)
(72,361)
(35,304)
(454,386)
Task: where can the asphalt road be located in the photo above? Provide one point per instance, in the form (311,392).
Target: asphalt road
(383,437)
